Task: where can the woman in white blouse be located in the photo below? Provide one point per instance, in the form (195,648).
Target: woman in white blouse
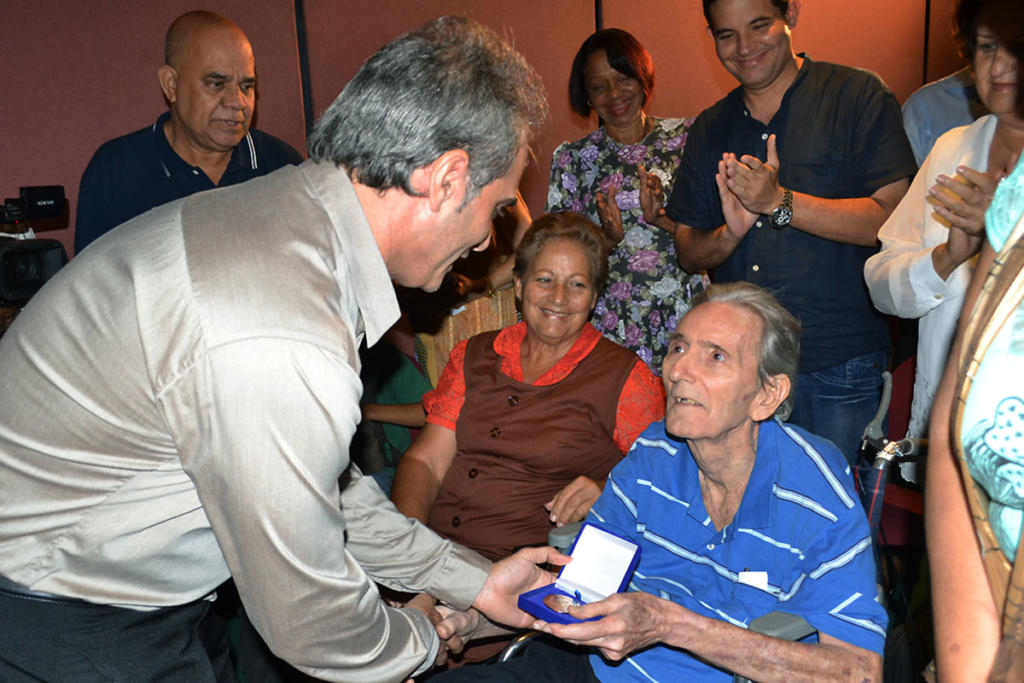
(930,241)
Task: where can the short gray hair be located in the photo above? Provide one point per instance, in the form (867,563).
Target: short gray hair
(450,84)
(780,337)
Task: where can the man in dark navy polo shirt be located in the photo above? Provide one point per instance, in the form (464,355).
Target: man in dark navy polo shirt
(785,183)
(203,142)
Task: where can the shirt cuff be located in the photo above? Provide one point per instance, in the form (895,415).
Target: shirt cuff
(434,644)
(460,578)
(932,290)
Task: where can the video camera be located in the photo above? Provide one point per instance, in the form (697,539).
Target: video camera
(27,264)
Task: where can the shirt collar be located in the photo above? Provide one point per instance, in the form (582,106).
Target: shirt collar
(736,95)
(756,510)
(359,253)
(509,343)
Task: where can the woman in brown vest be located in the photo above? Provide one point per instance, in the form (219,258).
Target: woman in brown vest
(527,421)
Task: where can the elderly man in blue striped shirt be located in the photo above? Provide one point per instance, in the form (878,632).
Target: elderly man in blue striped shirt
(737,515)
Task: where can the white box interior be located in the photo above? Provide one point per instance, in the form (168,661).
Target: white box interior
(600,560)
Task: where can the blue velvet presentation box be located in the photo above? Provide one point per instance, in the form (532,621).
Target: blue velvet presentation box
(601,565)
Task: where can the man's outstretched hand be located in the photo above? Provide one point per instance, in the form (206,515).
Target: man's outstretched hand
(512,576)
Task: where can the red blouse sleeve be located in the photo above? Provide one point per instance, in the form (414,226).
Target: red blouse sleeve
(641,402)
(444,404)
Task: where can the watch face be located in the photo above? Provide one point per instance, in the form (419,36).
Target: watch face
(781,216)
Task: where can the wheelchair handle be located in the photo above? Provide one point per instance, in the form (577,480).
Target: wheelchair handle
(873,432)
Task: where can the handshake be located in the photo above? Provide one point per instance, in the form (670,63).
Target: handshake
(495,610)
(605,563)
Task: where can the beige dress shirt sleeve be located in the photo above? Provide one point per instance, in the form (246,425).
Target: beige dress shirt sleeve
(264,425)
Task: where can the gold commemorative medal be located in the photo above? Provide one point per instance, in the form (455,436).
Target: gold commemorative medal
(559,603)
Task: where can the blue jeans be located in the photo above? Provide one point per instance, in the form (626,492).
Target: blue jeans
(838,402)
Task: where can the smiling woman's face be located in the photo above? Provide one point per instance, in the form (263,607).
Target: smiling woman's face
(617,98)
(996,73)
(557,292)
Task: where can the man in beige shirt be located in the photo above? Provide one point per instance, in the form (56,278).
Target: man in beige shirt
(178,402)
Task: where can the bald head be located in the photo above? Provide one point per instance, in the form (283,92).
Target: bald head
(184,30)
(209,81)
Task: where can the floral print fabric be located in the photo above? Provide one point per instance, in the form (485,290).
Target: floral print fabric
(647,292)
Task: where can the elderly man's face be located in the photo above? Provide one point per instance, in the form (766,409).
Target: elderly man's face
(215,89)
(710,375)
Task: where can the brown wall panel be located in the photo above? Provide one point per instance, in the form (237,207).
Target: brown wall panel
(883,36)
(688,75)
(943,56)
(76,74)
(547,33)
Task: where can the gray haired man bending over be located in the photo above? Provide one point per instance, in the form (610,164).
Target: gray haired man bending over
(178,402)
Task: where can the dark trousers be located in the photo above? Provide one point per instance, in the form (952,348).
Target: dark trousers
(544,660)
(56,639)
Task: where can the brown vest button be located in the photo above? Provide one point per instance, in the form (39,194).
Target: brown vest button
(473,472)
(456,521)
(513,400)
(495,432)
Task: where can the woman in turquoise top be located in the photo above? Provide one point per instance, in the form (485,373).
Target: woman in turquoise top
(977,438)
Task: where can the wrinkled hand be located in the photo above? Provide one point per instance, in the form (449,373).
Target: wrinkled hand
(516,574)
(754,182)
(738,220)
(609,215)
(652,195)
(425,604)
(631,621)
(572,503)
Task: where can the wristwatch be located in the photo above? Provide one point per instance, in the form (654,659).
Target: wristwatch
(782,214)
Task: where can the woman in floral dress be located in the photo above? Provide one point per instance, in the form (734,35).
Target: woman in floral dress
(600,176)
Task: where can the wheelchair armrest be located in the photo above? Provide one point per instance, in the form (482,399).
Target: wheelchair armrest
(782,625)
(513,648)
(561,537)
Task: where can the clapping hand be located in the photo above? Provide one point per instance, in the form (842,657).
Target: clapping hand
(738,220)
(609,215)
(652,196)
(960,202)
(963,199)
(755,182)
